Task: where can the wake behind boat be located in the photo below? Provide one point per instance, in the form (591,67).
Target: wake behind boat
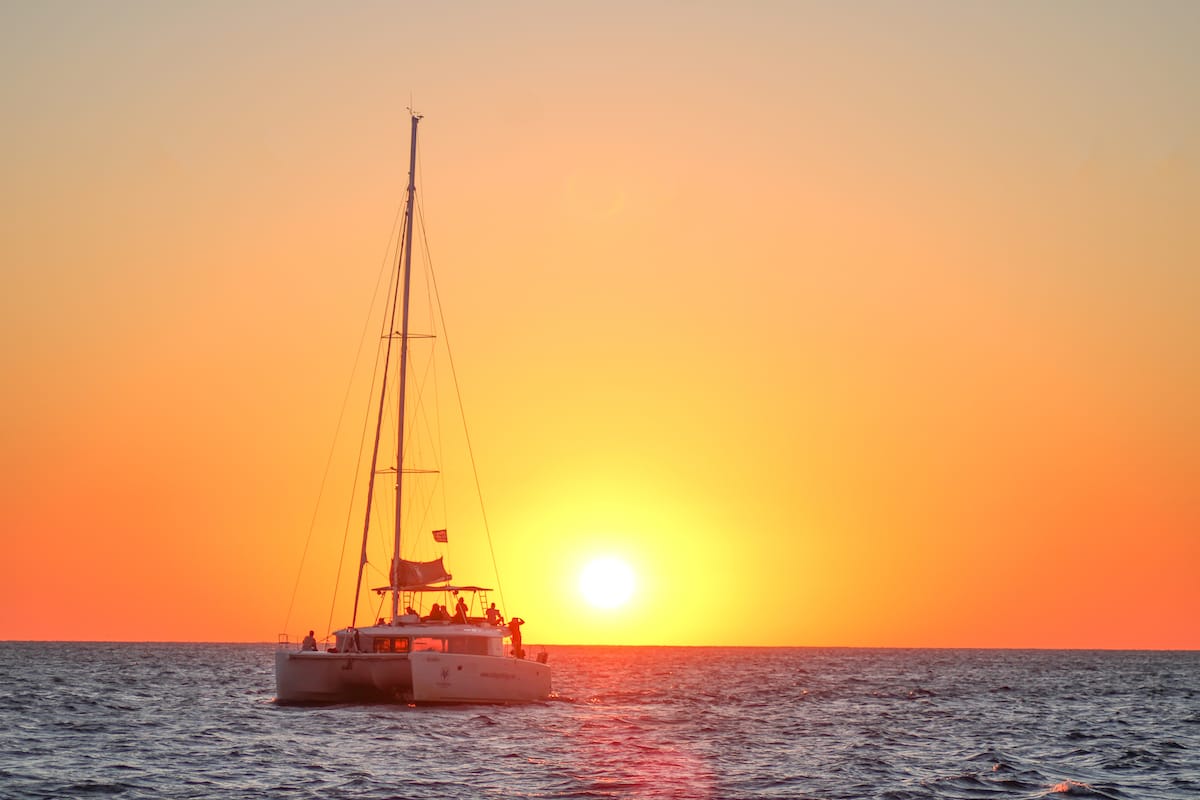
(443,656)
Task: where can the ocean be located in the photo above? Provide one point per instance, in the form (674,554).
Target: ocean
(198,721)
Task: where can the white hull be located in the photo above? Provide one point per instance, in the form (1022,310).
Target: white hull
(422,677)
(457,678)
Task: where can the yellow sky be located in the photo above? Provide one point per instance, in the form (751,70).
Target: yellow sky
(842,325)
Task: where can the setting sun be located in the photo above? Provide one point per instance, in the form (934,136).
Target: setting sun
(606,582)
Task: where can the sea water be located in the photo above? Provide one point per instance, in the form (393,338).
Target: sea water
(198,721)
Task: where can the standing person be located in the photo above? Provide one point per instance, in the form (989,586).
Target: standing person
(460,611)
(309,643)
(514,629)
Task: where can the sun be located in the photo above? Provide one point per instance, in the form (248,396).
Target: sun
(606,582)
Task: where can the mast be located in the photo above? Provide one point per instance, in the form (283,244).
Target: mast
(408,240)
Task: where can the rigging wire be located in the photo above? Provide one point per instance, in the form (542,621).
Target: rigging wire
(431,309)
(463,415)
(420,512)
(362,440)
(437,439)
(404,241)
(337,430)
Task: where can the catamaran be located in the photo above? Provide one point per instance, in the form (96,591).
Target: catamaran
(465,656)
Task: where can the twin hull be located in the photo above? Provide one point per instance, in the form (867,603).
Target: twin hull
(417,677)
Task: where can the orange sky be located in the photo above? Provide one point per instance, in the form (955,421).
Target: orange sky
(842,328)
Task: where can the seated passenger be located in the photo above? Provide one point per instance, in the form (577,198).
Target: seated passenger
(460,612)
(436,614)
(494,617)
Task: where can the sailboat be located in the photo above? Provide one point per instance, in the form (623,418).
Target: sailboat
(470,657)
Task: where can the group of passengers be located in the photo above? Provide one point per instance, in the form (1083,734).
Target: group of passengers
(439,613)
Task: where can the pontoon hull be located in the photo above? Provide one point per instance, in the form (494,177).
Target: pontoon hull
(457,678)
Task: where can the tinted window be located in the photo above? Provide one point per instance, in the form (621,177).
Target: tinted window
(428,643)
(471,645)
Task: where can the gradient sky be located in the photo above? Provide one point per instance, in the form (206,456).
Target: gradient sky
(843,324)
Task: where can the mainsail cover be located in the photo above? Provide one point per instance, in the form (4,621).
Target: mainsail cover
(420,573)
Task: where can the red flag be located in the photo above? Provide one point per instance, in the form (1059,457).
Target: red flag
(440,536)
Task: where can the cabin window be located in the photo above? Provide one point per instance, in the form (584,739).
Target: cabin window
(384,645)
(470,645)
(428,643)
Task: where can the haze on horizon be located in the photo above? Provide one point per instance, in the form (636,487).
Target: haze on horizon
(841,325)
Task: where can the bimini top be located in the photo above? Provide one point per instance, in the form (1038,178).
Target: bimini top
(441,587)
(431,628)
(425,576)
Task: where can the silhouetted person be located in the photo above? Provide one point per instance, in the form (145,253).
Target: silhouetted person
(436,614)
(514,629)
(494,617)
(309,643)
(460,612)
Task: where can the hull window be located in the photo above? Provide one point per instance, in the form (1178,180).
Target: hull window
(469,645)
(384,645)
(428,643)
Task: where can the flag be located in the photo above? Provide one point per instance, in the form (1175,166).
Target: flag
(440,536)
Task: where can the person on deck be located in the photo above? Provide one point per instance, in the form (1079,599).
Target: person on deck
(436,614)
(494,617)
(514,630)
(309,643)
(460,612)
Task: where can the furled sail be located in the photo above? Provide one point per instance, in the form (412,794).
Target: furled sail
(420,573)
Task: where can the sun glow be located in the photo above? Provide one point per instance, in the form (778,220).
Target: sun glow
(606,582)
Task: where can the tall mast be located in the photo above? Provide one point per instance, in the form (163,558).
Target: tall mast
(408,240)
